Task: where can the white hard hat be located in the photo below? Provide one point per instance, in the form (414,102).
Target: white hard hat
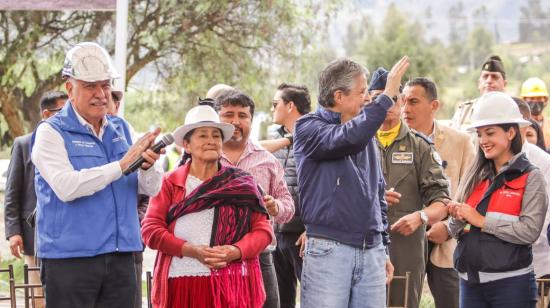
(87,61)
(494,108)
(202,116)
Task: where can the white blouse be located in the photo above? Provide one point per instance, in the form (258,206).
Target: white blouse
(196,229)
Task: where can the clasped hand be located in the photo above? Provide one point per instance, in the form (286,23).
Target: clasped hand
(464,212)
(215,257)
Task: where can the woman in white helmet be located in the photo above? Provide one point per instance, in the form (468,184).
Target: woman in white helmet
(500,212)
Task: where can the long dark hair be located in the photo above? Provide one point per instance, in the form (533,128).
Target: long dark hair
(481,168)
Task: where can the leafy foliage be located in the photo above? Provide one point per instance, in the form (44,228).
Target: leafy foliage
(188,43)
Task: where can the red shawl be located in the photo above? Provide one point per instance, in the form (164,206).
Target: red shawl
(234,196)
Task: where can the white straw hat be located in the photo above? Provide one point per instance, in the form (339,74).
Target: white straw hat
(202,116)
(495,108)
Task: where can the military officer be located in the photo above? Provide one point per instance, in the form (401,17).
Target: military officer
(417,194)
(491,78)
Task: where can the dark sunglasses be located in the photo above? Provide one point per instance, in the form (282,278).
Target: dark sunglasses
(55,110)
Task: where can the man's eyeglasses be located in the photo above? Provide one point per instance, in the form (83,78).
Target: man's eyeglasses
(275,102)
(55,110)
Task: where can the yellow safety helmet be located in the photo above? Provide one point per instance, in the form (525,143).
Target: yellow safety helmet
(533,87)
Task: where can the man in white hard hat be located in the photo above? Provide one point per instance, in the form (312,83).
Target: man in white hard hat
(87,221)
(535,94)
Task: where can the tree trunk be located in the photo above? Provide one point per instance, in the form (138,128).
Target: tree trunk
(10,112)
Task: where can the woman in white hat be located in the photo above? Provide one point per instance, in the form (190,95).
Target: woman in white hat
(499,213)
(208,224)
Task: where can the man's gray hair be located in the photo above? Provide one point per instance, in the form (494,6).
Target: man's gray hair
(338,75)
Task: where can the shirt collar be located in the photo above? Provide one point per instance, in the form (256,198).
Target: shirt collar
(431,136)
(249,148)
(83,122)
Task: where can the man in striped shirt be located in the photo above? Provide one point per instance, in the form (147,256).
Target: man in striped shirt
(237,108)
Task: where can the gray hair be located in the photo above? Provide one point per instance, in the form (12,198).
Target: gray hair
(338,75)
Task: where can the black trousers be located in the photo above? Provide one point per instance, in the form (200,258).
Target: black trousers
(107,280)
(288,266)
(443,283)
(270,280)
(138,260)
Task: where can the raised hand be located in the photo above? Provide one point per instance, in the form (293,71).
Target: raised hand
(395,75)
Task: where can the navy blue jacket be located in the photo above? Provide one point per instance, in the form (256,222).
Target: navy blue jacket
(339,175)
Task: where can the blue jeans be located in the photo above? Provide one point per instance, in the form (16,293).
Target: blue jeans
(513,292)
(335,275)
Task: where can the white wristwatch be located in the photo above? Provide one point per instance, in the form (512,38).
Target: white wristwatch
(423,217)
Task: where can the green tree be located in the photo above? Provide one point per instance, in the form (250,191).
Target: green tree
(169,37)
(294,55)
(479,45)
(398,37)
(458,30)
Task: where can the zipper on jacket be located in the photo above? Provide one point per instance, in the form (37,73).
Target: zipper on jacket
(113,193)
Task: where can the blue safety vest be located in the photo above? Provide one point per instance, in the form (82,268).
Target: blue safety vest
(104,222)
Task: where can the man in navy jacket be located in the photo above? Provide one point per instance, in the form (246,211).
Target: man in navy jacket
(342,190)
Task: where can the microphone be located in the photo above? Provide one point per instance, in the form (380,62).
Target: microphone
(166,140)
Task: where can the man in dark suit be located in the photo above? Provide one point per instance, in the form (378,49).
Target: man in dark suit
(20,199)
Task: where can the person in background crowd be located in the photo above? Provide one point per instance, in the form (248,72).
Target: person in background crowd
(534,135)
(289,103)
(346,262)
(116,97)
(208,224)
(236,108)
(457,152)
(87,222)
(218,90)
(499,213)
(535,94)
(413,172)
(492,78)
(540,159)
(523,108)
(20,197)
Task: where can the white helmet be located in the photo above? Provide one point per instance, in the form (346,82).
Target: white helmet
(494,108)
(87,61)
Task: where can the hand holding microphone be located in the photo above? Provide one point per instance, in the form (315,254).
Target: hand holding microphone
(142,154)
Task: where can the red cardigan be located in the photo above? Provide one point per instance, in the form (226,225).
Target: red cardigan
(160,236)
